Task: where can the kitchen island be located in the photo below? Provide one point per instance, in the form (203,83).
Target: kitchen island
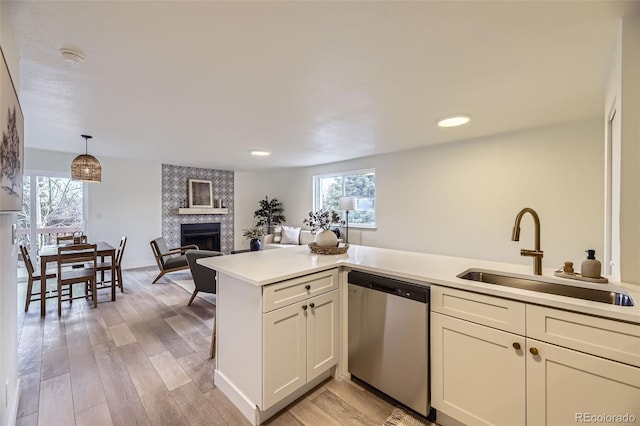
(274,306)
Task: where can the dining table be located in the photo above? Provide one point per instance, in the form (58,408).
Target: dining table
(49,254)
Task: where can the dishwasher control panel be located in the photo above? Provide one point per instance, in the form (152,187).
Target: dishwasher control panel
(390,285)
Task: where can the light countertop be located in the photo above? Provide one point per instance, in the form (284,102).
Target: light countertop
(266,267)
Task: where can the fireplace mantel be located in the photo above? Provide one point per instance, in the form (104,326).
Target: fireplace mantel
(202,210)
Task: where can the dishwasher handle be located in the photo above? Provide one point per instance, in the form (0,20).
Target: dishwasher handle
(390,286)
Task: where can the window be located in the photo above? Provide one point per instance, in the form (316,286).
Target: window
(54,204)
(327,190)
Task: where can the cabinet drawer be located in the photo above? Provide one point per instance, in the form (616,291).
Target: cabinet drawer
(503,314)
(284,293)
(611,339)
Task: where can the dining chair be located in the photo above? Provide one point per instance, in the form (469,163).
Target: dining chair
(77,254)
(31,277)
(71,239)
(169,260)
(106,266)
(64,239)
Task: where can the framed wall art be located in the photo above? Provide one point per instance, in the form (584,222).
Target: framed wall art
(11,144)
(200,193)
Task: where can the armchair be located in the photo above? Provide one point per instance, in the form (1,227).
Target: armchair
(204,278)
(169,260)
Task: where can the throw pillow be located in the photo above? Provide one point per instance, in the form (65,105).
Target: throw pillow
(277,234)
(290,235)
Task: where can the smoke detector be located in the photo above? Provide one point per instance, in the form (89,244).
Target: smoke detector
(71,56)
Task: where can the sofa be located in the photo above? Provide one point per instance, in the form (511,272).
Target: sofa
(290,236)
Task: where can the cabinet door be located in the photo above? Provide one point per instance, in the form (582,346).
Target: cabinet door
(284,352)
(477,374)
(569,387)
(322,333)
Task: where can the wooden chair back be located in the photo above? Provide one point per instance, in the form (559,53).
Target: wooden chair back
(63,239)
(32,277)
(27,261)
(73,255)
(77,254)
(120,251)
(75,239)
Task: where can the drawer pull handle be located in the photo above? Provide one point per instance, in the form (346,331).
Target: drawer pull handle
(516,346)
(307,287)
(534,351)
(304,307)
(312,305)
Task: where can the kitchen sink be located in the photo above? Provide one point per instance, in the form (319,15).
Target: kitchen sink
(617,296)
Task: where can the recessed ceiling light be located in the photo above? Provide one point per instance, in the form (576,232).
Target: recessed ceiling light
(72,56)
(260,153)
(454,120)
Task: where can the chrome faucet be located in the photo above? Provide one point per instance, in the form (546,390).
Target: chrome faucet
(515,236)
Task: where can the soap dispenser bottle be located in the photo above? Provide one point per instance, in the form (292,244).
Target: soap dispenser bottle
(591,267)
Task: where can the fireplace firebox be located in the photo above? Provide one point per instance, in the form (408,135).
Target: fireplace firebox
(204,235)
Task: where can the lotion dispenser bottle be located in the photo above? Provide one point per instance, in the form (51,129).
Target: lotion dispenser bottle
(591,267)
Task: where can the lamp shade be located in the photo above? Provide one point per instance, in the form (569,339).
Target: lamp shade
(347,203)
(86,167)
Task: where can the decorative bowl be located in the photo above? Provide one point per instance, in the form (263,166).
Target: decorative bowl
(340,249)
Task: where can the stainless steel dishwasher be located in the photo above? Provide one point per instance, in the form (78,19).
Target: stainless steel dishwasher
(389,337)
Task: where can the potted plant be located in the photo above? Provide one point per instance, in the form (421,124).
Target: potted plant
(322,220)
(269,213)
(253,234)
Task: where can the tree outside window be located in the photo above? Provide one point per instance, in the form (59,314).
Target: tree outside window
(56,207)
(360,184)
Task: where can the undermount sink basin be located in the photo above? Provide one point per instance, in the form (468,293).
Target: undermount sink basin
(544,285)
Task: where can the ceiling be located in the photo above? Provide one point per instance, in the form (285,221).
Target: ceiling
(201,83)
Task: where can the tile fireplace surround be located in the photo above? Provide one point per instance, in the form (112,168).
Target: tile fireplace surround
(175,192)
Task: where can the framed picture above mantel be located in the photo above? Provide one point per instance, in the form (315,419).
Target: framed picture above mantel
(200,194)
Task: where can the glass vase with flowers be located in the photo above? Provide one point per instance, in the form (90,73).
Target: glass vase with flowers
(321,221)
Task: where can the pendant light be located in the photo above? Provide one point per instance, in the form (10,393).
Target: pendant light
(86,167)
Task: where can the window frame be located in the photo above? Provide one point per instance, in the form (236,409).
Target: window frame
(33,174)
(316,195)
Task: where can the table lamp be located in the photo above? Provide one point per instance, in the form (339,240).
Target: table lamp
(347,203)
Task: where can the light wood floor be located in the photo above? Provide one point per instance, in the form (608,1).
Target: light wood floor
(144,360)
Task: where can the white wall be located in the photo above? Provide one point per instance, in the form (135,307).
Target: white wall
(461,199)
(9,383)
(127,201)
(245,203)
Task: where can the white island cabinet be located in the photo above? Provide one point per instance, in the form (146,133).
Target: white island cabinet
(301,338)
(275,342)
(502,362)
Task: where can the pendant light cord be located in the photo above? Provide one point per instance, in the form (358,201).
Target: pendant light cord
(86,139)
